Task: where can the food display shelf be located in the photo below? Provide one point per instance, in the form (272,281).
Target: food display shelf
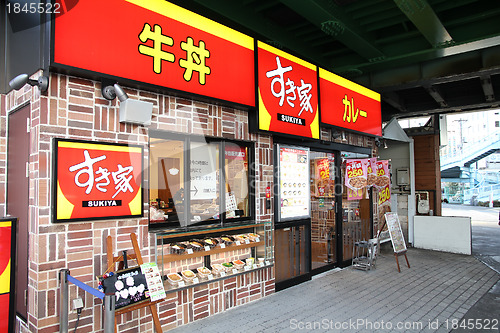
(163,236)
(171,288)
(175,257)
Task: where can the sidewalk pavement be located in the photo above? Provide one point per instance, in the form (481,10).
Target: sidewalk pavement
(434,295)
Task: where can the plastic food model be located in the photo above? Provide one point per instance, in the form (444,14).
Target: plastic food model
(188,275)
(174,278)
(238,264)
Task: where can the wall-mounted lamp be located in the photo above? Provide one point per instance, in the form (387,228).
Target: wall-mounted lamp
(385,144)
(19,81)
(344,137)
(131,111)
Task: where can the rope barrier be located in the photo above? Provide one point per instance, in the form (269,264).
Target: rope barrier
(88,289)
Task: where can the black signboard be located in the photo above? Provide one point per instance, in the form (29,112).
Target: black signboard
(128,285)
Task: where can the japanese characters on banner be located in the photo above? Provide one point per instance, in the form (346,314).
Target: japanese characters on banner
(371,171)
(355,178)
(95,180)
(348,105)
(7,274)
(383,182)
(363,173)
(324,180)
(294,182)
(287,93)
(159,43)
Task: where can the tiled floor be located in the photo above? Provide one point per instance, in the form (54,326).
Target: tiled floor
(431,296)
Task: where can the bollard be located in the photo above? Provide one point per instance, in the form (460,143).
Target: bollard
(109,313)
(64,308)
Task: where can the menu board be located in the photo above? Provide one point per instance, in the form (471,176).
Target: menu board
(153,279)
(294,189)
(397,239)
(128,285)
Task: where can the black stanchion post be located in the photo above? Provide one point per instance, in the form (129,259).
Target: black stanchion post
(109,313)
(64,306)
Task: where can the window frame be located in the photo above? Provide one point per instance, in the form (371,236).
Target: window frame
(187,139)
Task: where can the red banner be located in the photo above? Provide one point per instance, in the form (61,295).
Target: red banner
(97,180)
(7,274)
(159,43)
(348,105)
(288,93)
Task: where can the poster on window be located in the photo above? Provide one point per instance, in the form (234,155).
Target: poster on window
(96,180)
(294,189)
(355,179)
(383,182)
(203,171)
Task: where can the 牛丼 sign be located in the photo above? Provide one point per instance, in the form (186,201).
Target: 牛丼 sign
(287,93)
(96,180)
(348,105)
(159,43)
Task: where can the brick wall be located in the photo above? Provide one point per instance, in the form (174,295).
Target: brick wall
(74,108)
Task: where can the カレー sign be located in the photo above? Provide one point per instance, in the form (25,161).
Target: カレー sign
(348,105)
(287,93)
(159,43)
(95,180)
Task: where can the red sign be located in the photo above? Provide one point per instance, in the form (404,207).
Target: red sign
(159,43)
(323,166)
(234,152)
(7,274)
(348,105)
(97,180)
(287,92)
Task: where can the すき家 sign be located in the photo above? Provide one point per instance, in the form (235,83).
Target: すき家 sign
(287,93)
(96,180)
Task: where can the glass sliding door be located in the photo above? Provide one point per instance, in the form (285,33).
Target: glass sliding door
(323,228)
(356,213)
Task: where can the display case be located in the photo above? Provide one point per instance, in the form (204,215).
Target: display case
(203,256)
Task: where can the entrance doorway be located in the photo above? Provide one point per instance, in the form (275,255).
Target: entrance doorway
(323,220)
(18,144)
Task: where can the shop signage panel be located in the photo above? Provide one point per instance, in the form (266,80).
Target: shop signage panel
(294,192)
(398,241)
(7,274)
(159,43)
(287,93)
(348,105)
(129,285)
(96,180)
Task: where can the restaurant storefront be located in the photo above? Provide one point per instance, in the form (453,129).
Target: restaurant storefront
(239,175)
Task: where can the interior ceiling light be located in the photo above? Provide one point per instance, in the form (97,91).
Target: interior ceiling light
(19,81)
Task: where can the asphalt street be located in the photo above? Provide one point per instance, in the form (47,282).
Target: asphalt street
(486,248)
